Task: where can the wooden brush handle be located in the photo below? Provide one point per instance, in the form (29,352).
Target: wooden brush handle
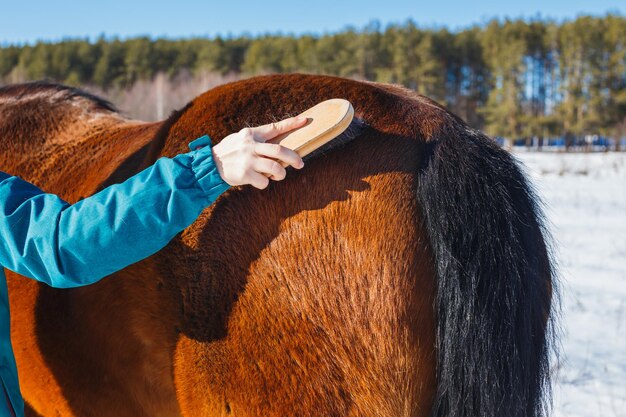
(326,121)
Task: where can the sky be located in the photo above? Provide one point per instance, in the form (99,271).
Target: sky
(27,21)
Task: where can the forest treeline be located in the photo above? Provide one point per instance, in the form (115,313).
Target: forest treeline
(511,78)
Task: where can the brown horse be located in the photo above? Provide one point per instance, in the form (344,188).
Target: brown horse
(404,273)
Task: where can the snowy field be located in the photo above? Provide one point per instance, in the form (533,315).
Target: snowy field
(585,197)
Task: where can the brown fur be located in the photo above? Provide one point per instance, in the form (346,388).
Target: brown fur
(313,297)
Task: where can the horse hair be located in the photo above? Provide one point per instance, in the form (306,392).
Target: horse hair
(494,277)
(23,90)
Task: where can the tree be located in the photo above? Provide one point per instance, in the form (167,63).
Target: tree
(513,78)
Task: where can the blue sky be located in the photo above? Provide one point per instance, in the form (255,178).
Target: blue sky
(32,20)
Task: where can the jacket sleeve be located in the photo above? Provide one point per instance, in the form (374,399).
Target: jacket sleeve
(63,245)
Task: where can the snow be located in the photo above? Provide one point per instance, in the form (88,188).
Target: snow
(585,198)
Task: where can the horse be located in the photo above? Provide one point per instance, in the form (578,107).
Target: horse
(406,271)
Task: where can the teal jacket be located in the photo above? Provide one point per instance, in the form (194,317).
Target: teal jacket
(63,245)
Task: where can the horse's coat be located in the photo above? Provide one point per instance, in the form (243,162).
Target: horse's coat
(313,297)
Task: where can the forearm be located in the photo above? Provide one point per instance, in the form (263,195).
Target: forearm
(65,245)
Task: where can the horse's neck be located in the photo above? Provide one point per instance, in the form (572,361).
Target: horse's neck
(30,126)
(26,148)
(75,159)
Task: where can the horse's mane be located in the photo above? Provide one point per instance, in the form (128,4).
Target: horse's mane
(53,92)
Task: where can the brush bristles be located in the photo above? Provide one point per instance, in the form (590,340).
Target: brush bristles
(356,127)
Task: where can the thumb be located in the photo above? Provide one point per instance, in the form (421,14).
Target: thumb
(271,130)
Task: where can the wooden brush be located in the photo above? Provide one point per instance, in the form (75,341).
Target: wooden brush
(326,121)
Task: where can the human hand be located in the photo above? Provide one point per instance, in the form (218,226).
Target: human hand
(244,157)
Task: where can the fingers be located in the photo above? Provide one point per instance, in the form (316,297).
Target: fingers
(280,153)
(272,130)
(245,158)
(270,168)
(259,181)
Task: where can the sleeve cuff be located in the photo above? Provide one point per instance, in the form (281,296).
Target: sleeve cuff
(204,168)
(202,141)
